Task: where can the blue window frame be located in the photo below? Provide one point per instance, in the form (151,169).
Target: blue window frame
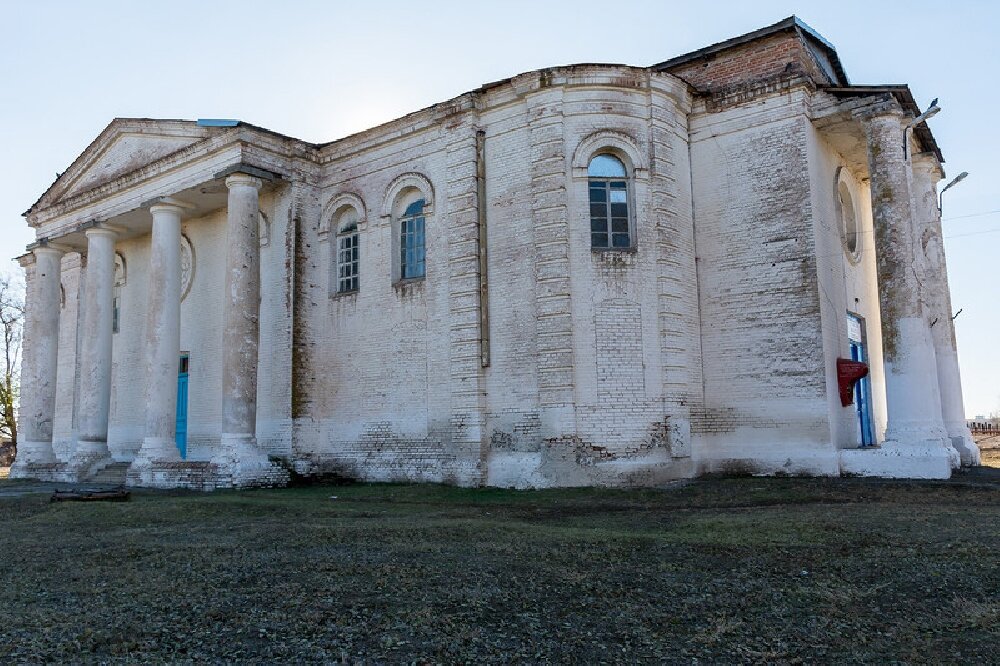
(348,264)
(411,241)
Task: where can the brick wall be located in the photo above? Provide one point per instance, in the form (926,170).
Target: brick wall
(765,405)
(783,55)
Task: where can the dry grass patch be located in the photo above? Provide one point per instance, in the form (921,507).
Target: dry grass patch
(730,570)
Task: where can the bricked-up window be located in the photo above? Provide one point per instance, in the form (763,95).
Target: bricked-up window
(348,274)
(609,215)
(411,241)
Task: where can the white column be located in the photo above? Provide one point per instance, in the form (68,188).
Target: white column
(95,366)
(240,335)
(937,299)
(915,433)
(163,334)
(38,367)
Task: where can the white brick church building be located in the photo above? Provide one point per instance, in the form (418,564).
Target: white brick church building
(583,275)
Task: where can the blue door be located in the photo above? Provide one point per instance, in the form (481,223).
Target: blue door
(862,397)
(182,406)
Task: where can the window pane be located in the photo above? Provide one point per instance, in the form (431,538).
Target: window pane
(619,225)
(599,240)
(598,193)
(415,208)
(619,210)
(606,166)
(620,240)
(598,225)
(598,210)
(618,196)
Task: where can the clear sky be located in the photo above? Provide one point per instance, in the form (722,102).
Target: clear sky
(321,70)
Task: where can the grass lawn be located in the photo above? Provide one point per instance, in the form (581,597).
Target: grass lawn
(732,570)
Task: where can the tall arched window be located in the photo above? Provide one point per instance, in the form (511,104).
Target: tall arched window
(116,301)
(411,241)
(348,245)
(609,215)
(848,218)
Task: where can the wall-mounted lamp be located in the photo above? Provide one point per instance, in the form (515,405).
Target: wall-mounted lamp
(954,181)
(931,111)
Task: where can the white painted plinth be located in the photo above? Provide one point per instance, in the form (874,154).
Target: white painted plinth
(240,463)
(35,460)
(892,460)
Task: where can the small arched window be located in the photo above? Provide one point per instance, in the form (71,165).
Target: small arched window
(609,203)
(348,245)
(411,241)
(116,301)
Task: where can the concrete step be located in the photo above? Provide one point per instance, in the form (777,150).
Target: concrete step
(112,475)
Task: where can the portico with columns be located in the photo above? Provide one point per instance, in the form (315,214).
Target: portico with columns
(925,434)
(226,202)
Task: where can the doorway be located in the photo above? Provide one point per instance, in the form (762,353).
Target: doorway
(862,388)
(182,405)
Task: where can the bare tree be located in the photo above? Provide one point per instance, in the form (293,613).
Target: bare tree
(11,327)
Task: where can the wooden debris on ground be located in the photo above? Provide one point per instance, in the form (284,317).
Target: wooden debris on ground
(104,495)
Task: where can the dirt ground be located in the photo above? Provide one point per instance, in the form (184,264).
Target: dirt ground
(989,447)
(732,570)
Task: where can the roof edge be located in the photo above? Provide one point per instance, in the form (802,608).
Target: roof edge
(791,24)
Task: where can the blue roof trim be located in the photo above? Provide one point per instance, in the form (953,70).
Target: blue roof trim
(217,122)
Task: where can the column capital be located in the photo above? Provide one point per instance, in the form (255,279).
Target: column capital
(169,204)
(243,179)
(102,231)
(884,108)
(48,250)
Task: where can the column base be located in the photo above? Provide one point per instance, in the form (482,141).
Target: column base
(156,449)
(36,460)
(240,463)
(155,465)
(34,453)
(89,458)
(967,448)
(894,460)
(922,434)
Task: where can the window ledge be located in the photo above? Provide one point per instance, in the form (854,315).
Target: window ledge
(614,250)
(409,285)
(345,294)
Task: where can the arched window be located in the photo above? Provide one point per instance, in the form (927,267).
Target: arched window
(116,302)
(848,217)
(409,207)
(846,209)
(411,241)
(609,203)
(348,245)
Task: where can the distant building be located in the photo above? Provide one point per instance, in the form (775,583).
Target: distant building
(583,275)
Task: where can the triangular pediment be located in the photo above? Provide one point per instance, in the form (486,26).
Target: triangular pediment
(124,146)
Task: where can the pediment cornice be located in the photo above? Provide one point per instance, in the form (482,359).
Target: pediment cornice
(245,144)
